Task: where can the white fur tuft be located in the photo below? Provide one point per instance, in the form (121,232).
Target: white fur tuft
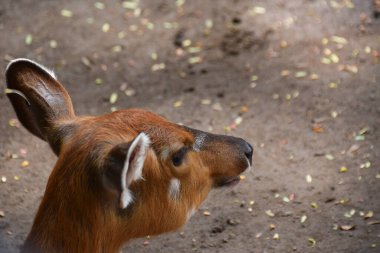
(48,71)
(174,188)
(132,170)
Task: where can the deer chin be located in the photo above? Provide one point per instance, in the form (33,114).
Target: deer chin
(227,182)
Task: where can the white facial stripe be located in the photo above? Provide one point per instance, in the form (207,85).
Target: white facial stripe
(50,72)
(174,188)
(132,170)
(199,141)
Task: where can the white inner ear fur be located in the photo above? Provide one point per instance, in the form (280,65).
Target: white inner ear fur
(48,71)
(133,166)
(174,188)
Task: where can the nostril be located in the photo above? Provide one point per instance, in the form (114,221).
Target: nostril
(249,152)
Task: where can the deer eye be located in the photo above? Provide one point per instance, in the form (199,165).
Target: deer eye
(178,157)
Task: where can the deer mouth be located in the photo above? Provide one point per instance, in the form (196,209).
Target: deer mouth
(228,182)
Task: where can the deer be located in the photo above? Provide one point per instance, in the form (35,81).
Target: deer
(119,176)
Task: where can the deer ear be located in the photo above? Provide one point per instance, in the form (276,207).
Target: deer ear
(39,100)
(125,164)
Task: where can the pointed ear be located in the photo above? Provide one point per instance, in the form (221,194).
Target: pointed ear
(125,164)
(38,98)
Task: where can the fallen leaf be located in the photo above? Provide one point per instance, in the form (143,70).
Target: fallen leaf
(347,227)
(312,242)
(325,60)
(53,44)
(99,5)
(364,130)
(25,163)
(130,92)
(238,120)
(206,101)
(217,106)
(351,68)
(132,5)
(158,66)
(98,81)
(334,114)
(28,39)
(317,128)
(113,98)
(244,109)
(314,205)
(339,40)
(300,74)
(368,215)
(334,58)
(177,104)
(269,213)
(365,165)
(116,49)
(195,60)
(350,213)
(257,10)
(333,85)
(283,44)
(285,72)
(86,61)
(66,13)
(314,76)
(106,27)
(374,222)
(14,123)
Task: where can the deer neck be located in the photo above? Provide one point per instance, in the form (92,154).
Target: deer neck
(62,228)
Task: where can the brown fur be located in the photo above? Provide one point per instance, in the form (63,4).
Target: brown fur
(80,210)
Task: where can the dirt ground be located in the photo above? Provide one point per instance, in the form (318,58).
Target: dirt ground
(298,79)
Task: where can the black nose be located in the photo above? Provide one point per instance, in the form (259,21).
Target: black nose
(248,152)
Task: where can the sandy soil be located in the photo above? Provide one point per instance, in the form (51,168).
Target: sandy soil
(315,186)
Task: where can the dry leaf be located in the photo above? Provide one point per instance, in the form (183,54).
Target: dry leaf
(347,227)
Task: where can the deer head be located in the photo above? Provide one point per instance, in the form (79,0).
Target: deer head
(119,176)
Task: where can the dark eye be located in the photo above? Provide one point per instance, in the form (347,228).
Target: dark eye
(178,156)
